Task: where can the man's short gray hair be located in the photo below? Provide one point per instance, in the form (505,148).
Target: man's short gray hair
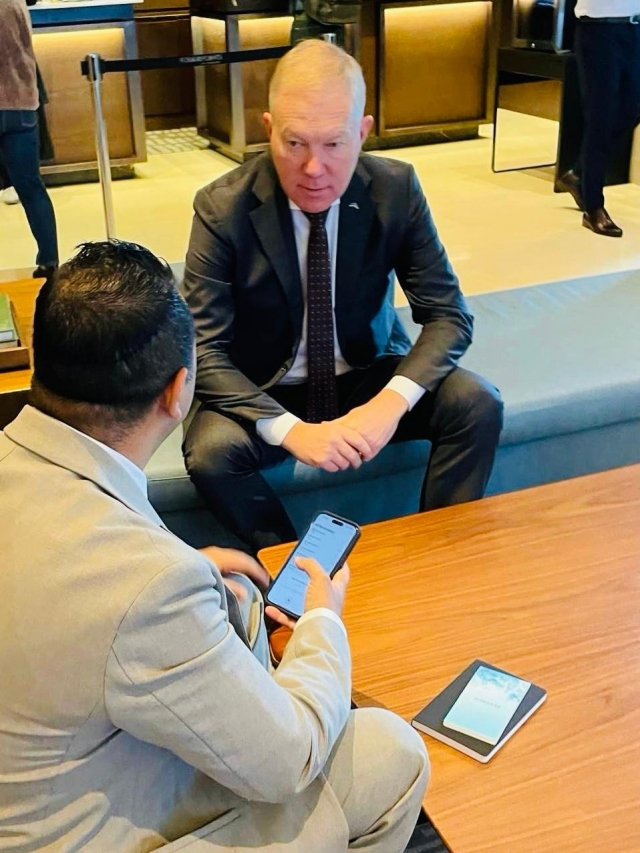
(310,64)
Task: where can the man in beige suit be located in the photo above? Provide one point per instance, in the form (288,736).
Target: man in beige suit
(138,710)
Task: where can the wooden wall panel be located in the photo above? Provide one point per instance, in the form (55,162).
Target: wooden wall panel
(253,33)
(218,96)
(436,60)
(256,76)
(166,91)
(70,109)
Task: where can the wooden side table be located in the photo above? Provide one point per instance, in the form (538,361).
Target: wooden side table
(14,384)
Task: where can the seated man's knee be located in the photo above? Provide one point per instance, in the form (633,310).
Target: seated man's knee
(474,400)
(404,754)
(215,446)
(488,405)
(379,772)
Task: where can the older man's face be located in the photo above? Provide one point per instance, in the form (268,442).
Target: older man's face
(315,142)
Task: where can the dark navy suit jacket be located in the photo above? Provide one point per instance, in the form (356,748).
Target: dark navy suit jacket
(242,283)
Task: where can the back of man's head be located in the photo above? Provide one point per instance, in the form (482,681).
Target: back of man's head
(110,331)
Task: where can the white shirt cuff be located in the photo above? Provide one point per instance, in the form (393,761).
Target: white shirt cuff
(274,430)
(407,388)
(320,611)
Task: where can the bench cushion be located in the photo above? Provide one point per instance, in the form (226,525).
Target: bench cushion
(565,355)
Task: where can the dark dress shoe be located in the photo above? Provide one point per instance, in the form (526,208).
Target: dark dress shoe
(600,222)
(44,271)
(570,183)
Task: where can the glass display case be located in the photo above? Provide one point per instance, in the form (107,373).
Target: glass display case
(543,24)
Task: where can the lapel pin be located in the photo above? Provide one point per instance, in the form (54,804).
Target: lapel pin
(354,205)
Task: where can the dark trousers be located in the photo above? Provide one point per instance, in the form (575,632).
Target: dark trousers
(462,420)
(608,58)
(19,152)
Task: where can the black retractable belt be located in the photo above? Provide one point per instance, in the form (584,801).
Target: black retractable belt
(152,63)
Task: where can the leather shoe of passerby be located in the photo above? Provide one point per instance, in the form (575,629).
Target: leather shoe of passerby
(570,183)
(44,271)
(600,222)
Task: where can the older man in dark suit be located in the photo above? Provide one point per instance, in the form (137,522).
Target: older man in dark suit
(290,277)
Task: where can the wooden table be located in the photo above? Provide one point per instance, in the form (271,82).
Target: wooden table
(544,583)
(14,384)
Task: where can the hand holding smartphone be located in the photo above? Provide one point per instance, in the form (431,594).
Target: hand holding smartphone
(329,540)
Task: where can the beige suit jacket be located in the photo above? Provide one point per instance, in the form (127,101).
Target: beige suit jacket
(132,716)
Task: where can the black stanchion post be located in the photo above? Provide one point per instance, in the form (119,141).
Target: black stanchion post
(94,73)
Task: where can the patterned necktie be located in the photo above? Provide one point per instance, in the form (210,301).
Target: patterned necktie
(322,404)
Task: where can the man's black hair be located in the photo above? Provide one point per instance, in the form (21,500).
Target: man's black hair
(110,330)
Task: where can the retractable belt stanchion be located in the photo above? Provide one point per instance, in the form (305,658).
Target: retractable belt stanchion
(94,67)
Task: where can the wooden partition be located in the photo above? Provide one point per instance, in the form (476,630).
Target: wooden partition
(63,35)
(232,98)
(434,61)
(169,93)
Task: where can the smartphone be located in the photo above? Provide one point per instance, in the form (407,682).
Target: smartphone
(329,539)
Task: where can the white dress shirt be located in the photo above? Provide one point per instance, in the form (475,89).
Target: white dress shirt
(607,8)
(274,430)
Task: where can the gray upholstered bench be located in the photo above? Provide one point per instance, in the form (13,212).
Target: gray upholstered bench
(566,357)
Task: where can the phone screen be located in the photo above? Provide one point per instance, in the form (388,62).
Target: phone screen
(328,540)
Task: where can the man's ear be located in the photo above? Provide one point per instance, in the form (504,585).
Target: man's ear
(267,121)
(365,127)
(171,398)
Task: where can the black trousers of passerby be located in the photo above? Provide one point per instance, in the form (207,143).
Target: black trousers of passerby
(19,152)
(608,57)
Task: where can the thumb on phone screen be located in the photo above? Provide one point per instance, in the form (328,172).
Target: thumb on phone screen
(322,590)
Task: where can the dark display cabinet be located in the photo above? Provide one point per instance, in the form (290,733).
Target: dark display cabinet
(164,29)
(542,24)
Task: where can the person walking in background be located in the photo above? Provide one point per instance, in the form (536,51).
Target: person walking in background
(607,47)
(19,134)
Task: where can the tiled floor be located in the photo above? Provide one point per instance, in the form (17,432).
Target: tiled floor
(173,141)
(501,230)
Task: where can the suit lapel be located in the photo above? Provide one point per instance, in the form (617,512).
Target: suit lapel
(274,229)
(54,441)
(356,217)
